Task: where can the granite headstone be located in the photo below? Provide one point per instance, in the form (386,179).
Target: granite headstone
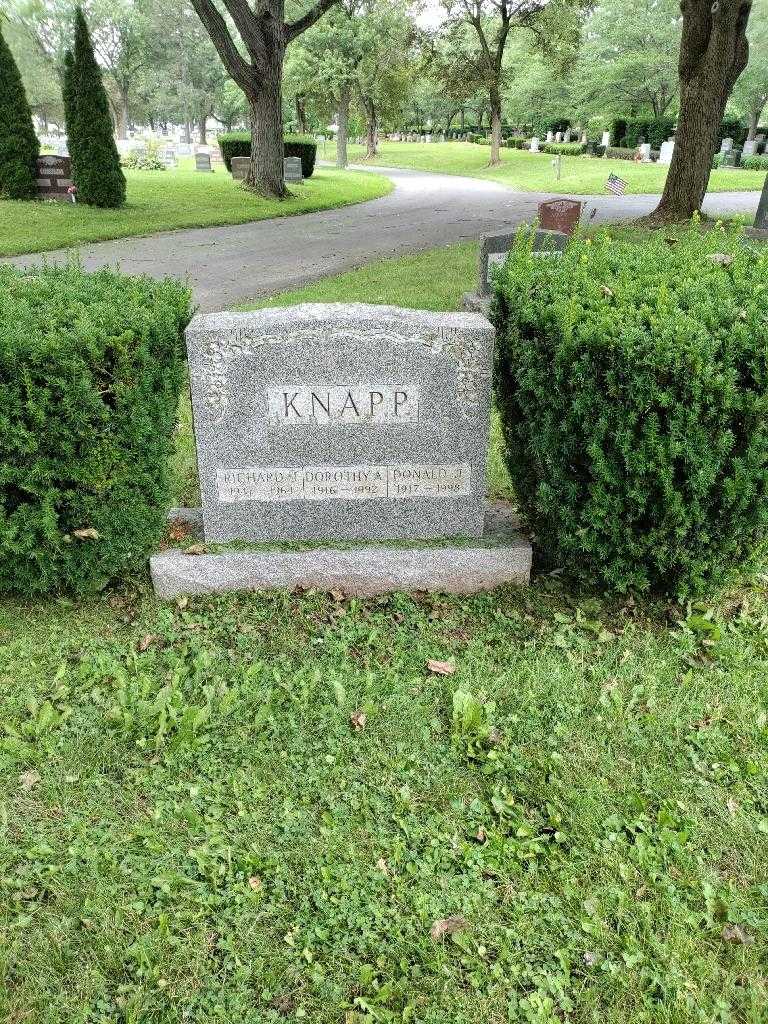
(341,422)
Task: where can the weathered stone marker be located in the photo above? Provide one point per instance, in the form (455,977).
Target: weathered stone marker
(54,177)
(341,422)
(494,250)
(292,171)
(240,166)
(203,162)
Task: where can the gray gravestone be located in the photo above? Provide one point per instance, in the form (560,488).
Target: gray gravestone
(761,220)
(341,422)
(494,250)
(750,148)
(292,170)
(666,151)
(240,166)
(203,162)
(726,145)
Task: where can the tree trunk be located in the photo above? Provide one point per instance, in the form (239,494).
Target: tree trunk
(462,118)
(187,130)
(203,125)
(371,128)
(495,99)
(343,121)
(301,114)
(713,53)
(754,122)
(265,175)
(123,115)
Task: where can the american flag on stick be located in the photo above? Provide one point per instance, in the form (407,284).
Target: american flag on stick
(616,185)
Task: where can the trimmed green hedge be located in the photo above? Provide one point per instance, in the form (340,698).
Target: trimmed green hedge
(91,366)
(239,144)
(633,385)
(754,163)
(564,148)
(620,153)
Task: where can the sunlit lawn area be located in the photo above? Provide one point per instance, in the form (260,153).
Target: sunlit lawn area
(163,200)
(531,172)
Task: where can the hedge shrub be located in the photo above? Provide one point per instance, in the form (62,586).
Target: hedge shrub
(633,385)
(620,153)
(564,148)
(239,144)
(754,163)
(91,366)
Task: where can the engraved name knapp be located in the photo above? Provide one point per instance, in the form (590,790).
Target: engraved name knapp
(297,405)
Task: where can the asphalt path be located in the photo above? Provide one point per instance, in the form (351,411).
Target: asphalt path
(229,265)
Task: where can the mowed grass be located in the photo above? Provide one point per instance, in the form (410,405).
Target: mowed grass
(533,172)
(164,200)
(196,824)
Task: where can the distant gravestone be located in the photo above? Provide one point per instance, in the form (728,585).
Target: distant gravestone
(494,250)
(240,167)
(535,145)
(558,136)
(606,139)
(666,151)
(750,148)
(761,220)
(560,215)
(292,170)
(168,157)
(645,151)
(550,137)
(54,178)
(203,162)
(184,149)
(726,145)
(341,422)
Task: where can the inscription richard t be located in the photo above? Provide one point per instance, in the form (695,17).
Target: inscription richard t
(315,483)
(301,405)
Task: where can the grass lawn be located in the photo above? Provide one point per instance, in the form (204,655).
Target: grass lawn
(163,200)
(532,172)
(572,827)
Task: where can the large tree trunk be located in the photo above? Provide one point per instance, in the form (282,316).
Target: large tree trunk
(266,171)
(203,125)
(343,122)
(495,100)
(713,53)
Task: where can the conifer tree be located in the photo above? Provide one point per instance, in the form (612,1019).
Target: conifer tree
(19,147)
(96,167)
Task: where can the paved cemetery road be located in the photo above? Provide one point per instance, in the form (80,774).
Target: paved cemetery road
(232,264)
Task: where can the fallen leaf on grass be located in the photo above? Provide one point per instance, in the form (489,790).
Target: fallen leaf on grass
(179,530)
(722,259)
(255,882)
(182,602)
(28,780)
(441,668)
(146,642)
(732,806)
(590,959)
(382,866)
(357,720)
(195,549)
(481,836)
(87,533)
(447,926)
(736,933)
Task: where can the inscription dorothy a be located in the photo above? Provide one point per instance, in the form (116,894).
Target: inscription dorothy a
(296,405)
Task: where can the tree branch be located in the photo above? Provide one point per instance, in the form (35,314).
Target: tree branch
(302,24)
(225,46)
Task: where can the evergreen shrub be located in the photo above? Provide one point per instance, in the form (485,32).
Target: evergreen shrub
(564,148)
(632,380)
(234,144)
(754,163)
(19,148)
(91,366)
(96,169)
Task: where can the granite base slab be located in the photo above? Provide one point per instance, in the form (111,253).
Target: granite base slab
(503,555)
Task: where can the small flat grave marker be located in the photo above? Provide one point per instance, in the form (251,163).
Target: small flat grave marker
(560,215)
